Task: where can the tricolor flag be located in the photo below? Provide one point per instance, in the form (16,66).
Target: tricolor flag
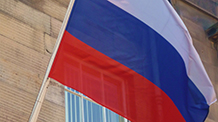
(136,58)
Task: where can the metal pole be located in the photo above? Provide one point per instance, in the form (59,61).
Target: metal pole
(45,83)
(39,101)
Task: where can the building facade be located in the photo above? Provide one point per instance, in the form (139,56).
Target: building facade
(28,32)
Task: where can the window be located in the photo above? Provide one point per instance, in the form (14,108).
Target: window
(79,108)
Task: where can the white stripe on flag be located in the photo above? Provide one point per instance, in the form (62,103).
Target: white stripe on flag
(174,31)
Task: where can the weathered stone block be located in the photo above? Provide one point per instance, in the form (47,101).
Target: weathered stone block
(207,54)
(64,2)
(209,120)
(21,33)
(15,104)
(21,73)
(213,112)
(22,56)
(19,77)
(196,31)
(209,5)
(54,9)
(216,81)
(55,27)
(194,15)
(211,71)
(51,7)
(49,44)
(51,112)
(55,93)
(216,90)
(26,14)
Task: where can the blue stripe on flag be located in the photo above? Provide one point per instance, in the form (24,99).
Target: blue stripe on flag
(131,42)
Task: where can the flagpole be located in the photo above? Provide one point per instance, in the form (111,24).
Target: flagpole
(41,95)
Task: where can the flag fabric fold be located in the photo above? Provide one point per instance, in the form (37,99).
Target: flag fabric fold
(134,57)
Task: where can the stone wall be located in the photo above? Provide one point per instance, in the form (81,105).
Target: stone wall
(209,5)
(28,31)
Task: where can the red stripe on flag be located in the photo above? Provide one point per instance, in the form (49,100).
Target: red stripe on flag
(111,84)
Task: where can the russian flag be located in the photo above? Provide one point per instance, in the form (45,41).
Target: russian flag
(136,58)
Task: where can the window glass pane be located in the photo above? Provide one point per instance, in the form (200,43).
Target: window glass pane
(111,116)
(79,109)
